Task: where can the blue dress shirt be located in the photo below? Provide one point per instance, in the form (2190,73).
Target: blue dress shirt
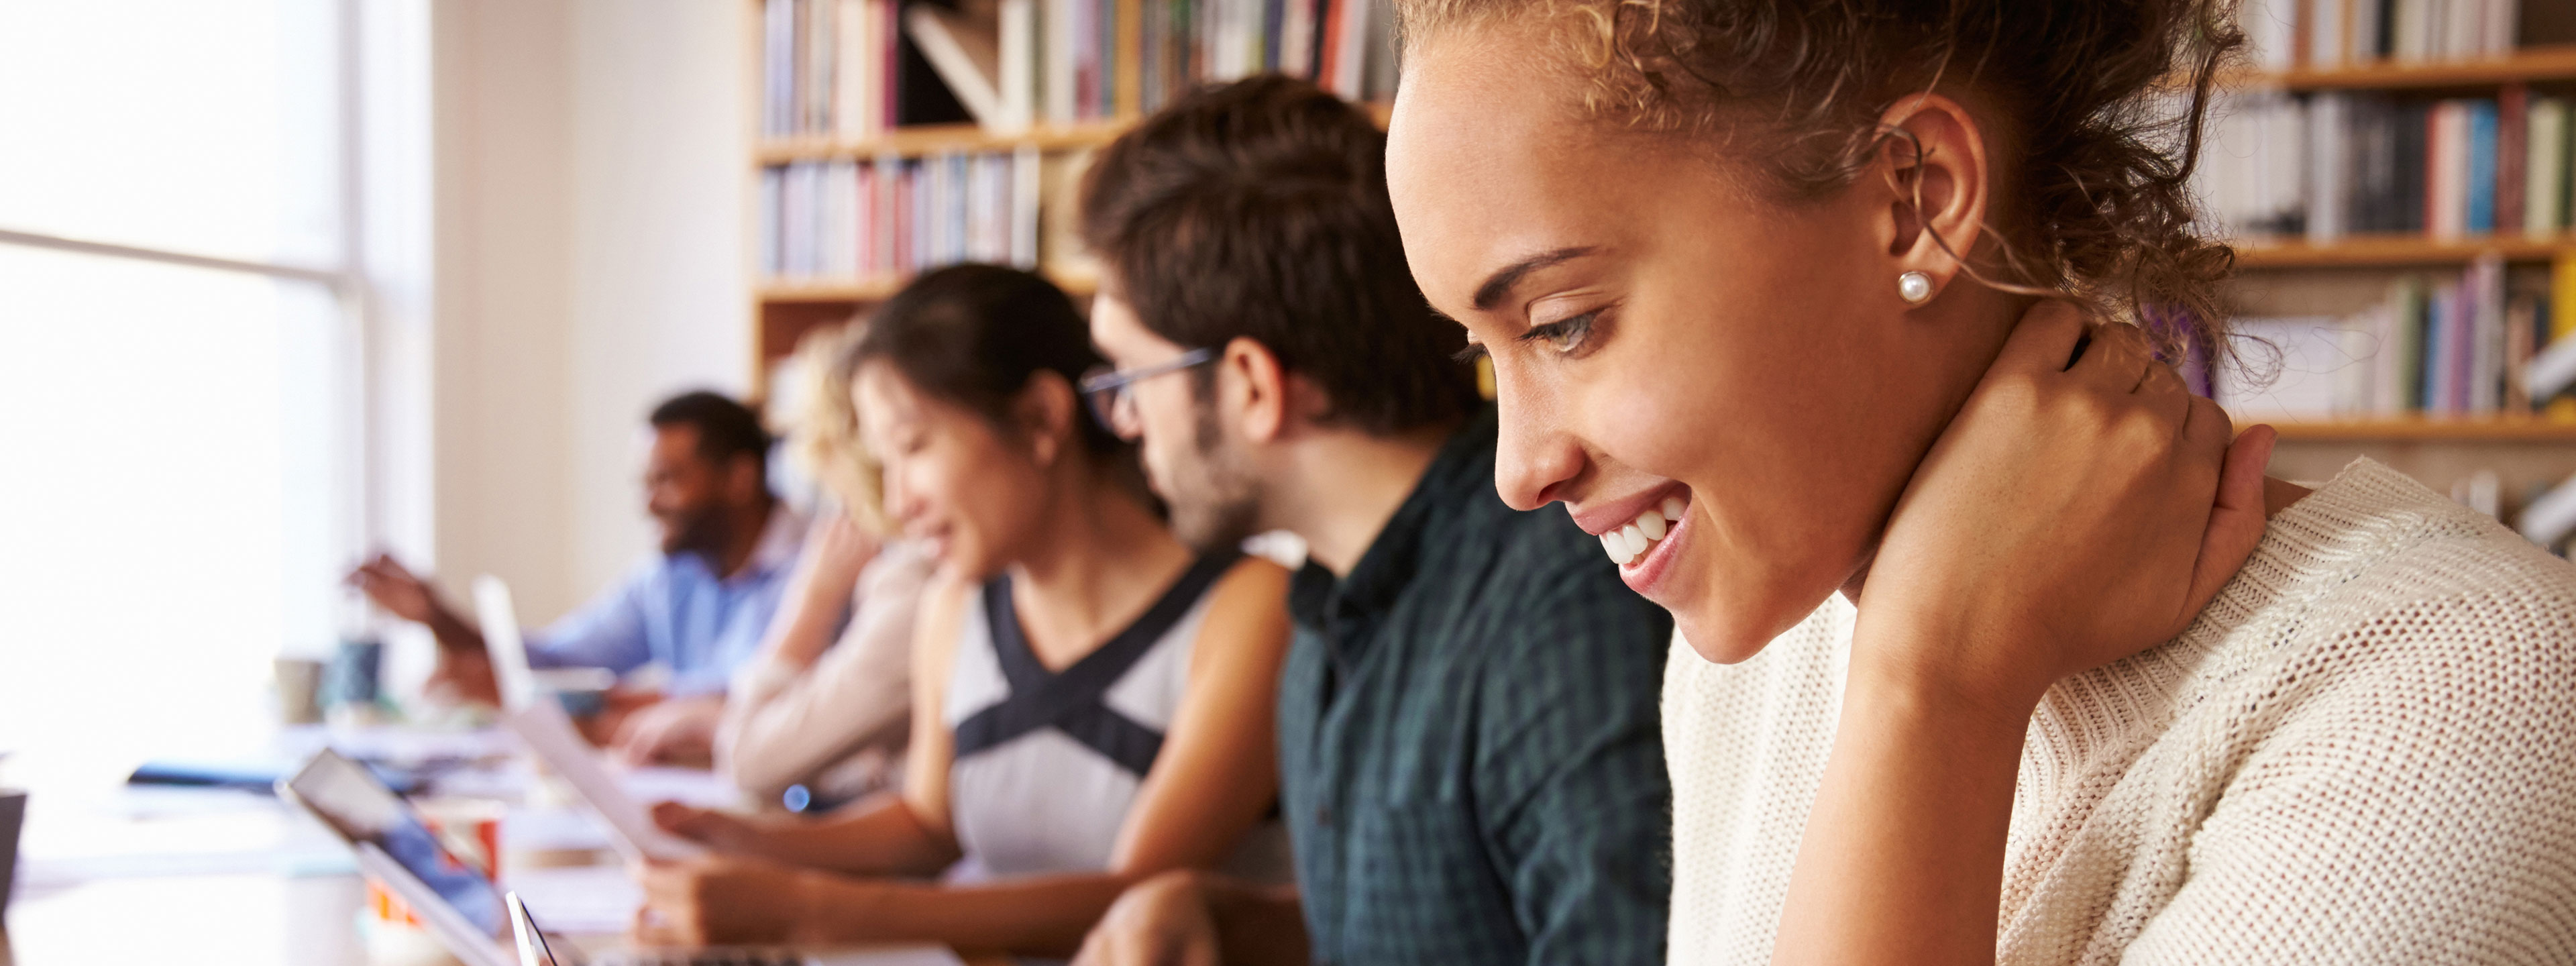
(676,611)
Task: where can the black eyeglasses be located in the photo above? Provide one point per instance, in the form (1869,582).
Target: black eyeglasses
(1114,404)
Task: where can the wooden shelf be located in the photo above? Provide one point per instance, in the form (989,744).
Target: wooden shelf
(2384,251)
(2528,65)
(2500,429)
(1080,283)
(929,139)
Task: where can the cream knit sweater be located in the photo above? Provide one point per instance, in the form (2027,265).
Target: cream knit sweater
(2363,751)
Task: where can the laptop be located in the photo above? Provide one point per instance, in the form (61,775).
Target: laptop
(541,723)
(460,907)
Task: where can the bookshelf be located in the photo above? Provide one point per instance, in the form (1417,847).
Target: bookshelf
(2529,65)
(2398,251)
(787,308)
(2515,429)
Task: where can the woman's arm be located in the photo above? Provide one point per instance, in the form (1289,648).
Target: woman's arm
(818,592)
(905,835)
(783,724)
(2070,516)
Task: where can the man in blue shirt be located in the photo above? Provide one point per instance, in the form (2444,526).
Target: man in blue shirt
(697,610)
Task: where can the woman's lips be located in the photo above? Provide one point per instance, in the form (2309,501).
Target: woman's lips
(1646,570)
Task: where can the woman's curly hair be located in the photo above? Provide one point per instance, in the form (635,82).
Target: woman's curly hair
(2103,98)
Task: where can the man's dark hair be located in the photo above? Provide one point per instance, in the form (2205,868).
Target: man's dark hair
(725,428)
(1258,209)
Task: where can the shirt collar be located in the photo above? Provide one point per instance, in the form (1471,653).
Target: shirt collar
(1463,469)
(781,539)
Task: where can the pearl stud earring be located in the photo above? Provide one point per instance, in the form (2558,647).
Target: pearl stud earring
(1914,287)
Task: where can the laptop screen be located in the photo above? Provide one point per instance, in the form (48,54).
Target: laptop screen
(344,794)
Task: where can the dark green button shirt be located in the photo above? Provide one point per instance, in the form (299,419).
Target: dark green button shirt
(1470,758)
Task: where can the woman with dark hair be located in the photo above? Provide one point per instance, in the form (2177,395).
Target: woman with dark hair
(1092,703)
(1824,315)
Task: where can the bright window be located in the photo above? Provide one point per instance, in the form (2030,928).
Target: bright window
(179,389)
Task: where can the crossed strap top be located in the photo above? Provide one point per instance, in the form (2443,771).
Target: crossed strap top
(1047,763)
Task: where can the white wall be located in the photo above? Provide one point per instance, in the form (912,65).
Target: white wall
(661,144)
(591,180)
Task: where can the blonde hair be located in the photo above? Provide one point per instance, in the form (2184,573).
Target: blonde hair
(825,442)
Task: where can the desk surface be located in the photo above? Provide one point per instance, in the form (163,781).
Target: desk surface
(267,919)
(148,876)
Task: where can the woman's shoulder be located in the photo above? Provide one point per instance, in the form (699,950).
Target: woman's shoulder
(2373,546)
(2374,585)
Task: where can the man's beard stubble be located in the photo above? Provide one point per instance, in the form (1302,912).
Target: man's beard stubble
(1215,500)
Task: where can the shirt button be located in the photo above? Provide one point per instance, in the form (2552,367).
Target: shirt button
(1323,816)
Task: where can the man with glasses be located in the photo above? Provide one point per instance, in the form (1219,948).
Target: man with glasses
(1471,770)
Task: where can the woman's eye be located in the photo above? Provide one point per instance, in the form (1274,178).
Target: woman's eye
(1566,336)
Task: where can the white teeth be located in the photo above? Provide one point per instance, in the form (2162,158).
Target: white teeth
(1626,544)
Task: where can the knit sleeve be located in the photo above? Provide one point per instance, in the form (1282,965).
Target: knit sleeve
(2412,798)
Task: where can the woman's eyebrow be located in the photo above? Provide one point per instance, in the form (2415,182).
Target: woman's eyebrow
(1500,283)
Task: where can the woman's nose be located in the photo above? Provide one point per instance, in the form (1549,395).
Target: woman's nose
(1534,460)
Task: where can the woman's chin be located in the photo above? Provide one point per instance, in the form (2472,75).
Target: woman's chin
(1719,641)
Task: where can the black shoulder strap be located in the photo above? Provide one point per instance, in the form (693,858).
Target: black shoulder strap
(1071,701)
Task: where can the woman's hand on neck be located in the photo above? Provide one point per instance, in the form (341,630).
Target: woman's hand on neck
(2067,518)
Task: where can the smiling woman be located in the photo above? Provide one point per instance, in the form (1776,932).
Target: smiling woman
(1994,642)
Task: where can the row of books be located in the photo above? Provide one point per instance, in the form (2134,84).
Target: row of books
(836,68)
(2450,345)
(845,69)
(2330,164)
(2283,34)
(892,217)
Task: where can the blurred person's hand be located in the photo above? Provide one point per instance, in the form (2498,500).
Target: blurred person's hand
(396,589)
(721,830)
(841,550)
(722,899)
(836,550)
(1162,921)
(462,678)
(680,731)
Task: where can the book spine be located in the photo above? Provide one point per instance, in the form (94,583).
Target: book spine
(889,208)
(1018,68)
(863,230)
(2328,150)
(777,63)
(2487,296)
(1086,59)
(2479,186)
(772,203)
(2512,151)
(1130,72)
(2539,208)
(889,53)
(1104,58)
(1025,185)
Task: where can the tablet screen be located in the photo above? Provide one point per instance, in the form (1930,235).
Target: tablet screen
(345,795)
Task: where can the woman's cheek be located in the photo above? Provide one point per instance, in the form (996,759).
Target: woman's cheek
(1650,426)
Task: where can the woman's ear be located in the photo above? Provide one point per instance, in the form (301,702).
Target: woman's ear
(1044,414)
(1933,168)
